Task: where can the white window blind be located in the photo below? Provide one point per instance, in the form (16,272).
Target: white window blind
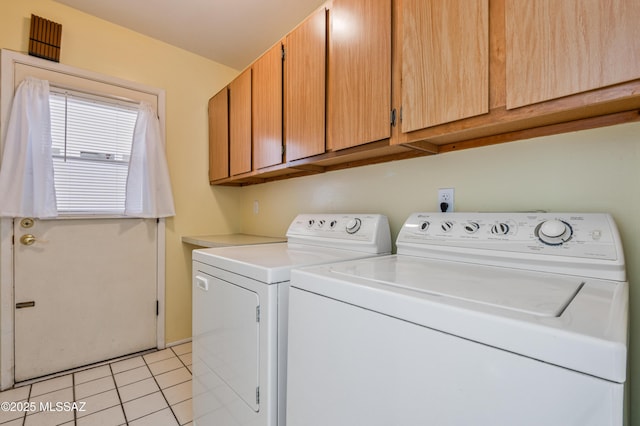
(91,141)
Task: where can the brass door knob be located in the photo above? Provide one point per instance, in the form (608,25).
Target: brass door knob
(27,239)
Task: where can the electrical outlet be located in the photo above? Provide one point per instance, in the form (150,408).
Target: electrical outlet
(445,199)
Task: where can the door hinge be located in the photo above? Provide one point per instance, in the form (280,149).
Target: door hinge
(157,307)
(257,313)
(258,395)
(393,117)
(284,52)
(401,115)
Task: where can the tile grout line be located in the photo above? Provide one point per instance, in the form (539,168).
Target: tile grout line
(124,413)
(190,372)
(73,395)
(24,417)
(180,359)
(159,387)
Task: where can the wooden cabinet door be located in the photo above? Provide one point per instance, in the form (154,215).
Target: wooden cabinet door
(304,88)
(445,61)
(240,124)
(219,135)
(559,48)
(267,108)
(359,91)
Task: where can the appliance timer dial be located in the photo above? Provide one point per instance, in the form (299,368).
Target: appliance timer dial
(353,225)
(554,232)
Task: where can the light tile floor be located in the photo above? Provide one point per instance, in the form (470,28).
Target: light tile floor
(149,390)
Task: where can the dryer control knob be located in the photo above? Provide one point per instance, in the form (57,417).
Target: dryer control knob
(353,225)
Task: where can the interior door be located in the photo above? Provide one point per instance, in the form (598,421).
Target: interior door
(85,291)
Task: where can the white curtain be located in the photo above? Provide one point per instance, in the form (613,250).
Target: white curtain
(148,191)
(26,173)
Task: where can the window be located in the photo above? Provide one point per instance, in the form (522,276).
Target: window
(91,141)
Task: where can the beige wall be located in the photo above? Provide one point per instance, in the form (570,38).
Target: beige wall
(590,171)
(189,81)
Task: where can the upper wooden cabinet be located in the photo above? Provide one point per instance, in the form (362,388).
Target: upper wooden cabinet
(359,91)
(444,61)
(266,107)
(559,48)
(219,135)
(240,124)
(304,88)
(456,74)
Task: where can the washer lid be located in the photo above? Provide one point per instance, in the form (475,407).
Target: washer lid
(508,289)
(573,322)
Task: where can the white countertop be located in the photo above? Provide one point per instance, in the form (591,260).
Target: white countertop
(230,240)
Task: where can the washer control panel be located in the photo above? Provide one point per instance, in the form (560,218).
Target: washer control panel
(350,231)
(588,235)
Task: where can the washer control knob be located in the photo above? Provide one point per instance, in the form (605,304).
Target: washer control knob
(320,223)
(423,226)
(446,226)
(553,228)
(353,225)
(471,227)
(310,223)
(333,224)
(500,228)
(554,232)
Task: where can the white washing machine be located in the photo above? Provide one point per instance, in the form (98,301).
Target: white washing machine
(480,319)
(240,297)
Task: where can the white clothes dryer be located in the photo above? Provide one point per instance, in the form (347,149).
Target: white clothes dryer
(480,319)
(240,298)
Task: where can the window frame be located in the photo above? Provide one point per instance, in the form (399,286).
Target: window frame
(75,95)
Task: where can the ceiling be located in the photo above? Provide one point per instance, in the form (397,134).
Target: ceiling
(231,32)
